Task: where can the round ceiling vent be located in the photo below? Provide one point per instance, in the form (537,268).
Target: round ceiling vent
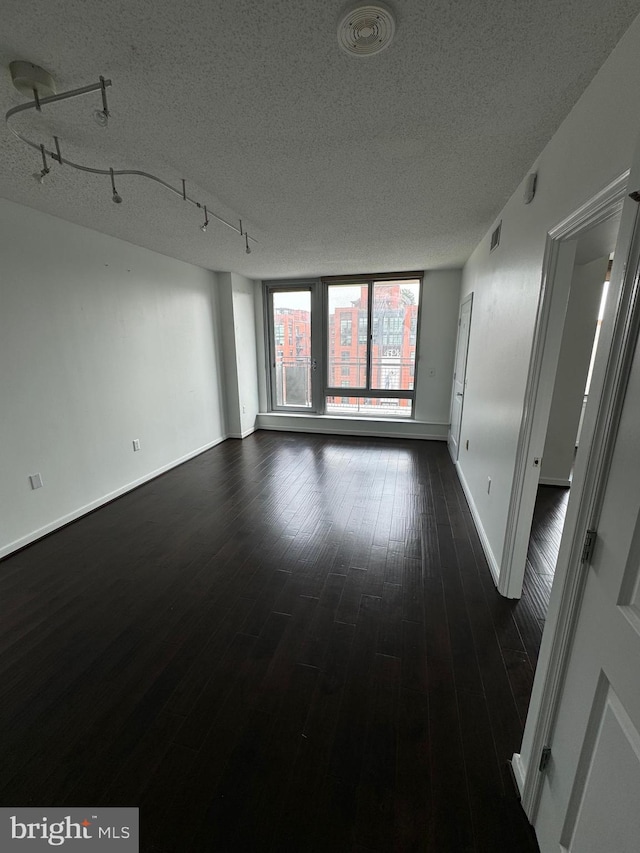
(366,30)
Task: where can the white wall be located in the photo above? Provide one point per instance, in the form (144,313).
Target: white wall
(438,332)
(573,366)
(237,301)
(229,357)
(246,355)
(101,342)
(592,147)
(436,353)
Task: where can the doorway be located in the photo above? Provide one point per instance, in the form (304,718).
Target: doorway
(580,335)
(459,377)
(587,236)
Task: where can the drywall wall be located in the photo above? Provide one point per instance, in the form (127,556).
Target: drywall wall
(237,310)
(101,343)
(243,295)
(229,357)
(592,147)
(573,366)
(436,349)
(436,352)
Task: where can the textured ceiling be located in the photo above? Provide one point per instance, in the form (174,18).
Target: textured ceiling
(336,164)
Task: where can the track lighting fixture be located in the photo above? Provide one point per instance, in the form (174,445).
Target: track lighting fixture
(116,197)
(101,118)
(42,174)
(29,79)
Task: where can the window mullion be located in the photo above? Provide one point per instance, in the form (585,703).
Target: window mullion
(369,333)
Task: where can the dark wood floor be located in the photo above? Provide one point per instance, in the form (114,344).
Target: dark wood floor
(289,643)
(542,554)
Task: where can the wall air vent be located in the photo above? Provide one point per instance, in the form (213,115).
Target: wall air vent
(495,237)
(366,30)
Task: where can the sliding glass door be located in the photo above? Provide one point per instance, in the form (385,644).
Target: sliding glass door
(294,374)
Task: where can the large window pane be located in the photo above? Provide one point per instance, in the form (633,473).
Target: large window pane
(347,339)
(382,408)
(292,343)
(393,344)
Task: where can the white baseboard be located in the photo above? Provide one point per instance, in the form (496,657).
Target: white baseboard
(518,771)
(366,433)
(367,427)
(83,510)
(241,434)
(554,481)
(486,547)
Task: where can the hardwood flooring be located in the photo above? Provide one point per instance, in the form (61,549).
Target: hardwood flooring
(542,554)
(289,643)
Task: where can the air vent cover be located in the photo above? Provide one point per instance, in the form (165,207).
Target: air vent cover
(495,237)
(366,30)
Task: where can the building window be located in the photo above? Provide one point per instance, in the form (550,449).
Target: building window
(345,331)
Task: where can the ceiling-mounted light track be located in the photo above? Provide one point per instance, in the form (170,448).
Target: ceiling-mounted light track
(29,79)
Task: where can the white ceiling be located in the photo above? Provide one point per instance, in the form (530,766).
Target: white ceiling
(335,164)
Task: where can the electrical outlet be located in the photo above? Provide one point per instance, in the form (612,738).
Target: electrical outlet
(488,485)
(136,444)
(36,481)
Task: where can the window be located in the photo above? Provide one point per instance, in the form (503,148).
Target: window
(384,358)
(345,331)
(344,345)
(362,328)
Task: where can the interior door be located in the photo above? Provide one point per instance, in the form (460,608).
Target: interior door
(590,799)
(459,376)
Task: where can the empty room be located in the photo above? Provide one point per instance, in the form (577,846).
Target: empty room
(288,301)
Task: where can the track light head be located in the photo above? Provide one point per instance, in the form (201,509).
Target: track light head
(41,175)
(116,198)
(204,227)
(246,242)
(101,118)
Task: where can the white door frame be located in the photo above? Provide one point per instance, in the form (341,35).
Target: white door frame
(468,299)
(558,261)
(621,327)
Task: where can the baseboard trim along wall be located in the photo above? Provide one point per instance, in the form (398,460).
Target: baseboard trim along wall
(554,481)
(105,499)
(241,434)
(518,771)
(370,428)
(486,547)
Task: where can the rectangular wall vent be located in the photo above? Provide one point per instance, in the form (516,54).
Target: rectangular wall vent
(495,237)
